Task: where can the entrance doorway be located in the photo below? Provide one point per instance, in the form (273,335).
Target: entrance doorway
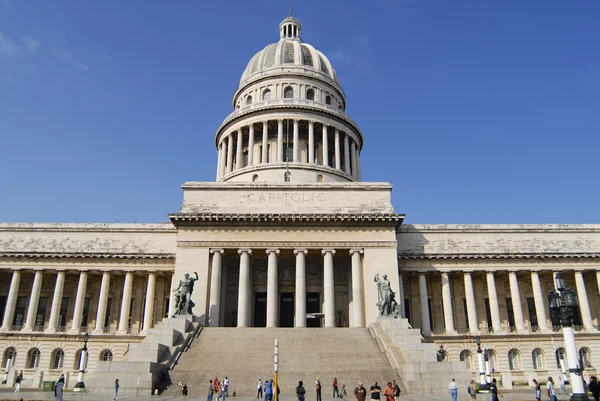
(260,309)
(286,309)
(313,305)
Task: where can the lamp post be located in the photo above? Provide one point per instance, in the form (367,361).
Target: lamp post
(486,357)
(480,360)
(564,306)
(80,385)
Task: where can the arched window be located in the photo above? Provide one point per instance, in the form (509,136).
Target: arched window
(249,100)
(33,358)
(267,94)
(328,100)
(538,358)
(288,92)
(466,357)
(106,355)
(492,357)
(9,353)
(310,94)
(585,357)
(58,359)
(561,358)
(514,362)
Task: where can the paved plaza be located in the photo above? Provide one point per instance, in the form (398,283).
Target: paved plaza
(25,395)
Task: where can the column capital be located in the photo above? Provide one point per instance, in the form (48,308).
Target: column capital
(296,120)
(151,272)
(129,271)
(515,271)
(536,270)
(85,270)
(265,122)
(251,127)
(280,120)
(311,122)
(445,273)
(357,250)
(576,270)
(38,269)
(489,272)
(325,126)
(106,271)
(300,250)
(217,250)
(272,250)
(467,271)
(328,250)
(422,272)
(248,251)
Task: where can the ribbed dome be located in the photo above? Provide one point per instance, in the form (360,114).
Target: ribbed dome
(289,53)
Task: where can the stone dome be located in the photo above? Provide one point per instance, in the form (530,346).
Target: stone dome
(289,54)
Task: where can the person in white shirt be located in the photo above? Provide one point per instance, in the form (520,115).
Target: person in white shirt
(225,387)
(551,389)
(453,388)
(259,388)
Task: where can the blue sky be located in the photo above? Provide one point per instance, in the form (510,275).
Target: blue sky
(476,111)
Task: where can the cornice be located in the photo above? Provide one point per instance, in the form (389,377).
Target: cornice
(439,256)
(309,245)
(86,255)
(87,227)
(500,228)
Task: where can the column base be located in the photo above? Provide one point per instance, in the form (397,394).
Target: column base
(121,332)
(96,332)
(74,331)
(451,333)
(579,397)
(26,330)
(79,387)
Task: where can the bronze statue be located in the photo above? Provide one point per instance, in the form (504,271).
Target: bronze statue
(183,295)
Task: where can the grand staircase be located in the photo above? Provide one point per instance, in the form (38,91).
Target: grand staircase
(245,354)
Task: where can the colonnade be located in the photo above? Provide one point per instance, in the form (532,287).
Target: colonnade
(245,291)
(344,155)
(494,305)
(77,317)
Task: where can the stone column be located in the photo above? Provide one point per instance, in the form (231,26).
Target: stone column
(280,140)
(265,143)
(251,145)
(538,298)
(11,300)
(447,304)
(401,296)
(102,303)
(424,301)
(229,166)
(56,302)
(125,303)
(215,288)
(79,301)
(272,288)
(338,164)
(346,154)
(244,289)
(584,304)
(311,143)
(354,166)
(515,296)
(223,159)
(219,157)
(325,146)
(358,173)
(300,287)
(358,302)
(34,301)
(149,308)
(494,307)
(239,159)
(296,144)
(328,288)
(471,305)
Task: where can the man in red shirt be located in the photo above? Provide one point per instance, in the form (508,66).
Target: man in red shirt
(336,391)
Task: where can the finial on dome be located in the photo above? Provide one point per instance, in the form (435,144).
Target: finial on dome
(290,27)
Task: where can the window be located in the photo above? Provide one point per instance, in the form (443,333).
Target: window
(328,100)
(249,100)
(288,92)
(538,358)
(287,176)
(560,358)
(77,360)
(9,353)
(33,358)
(492,358)
(58,359)
(513,359)
(106,355)
(310,94)
(466,357)
(267,95)
(62,318)
(40,316)
(585,357)
(20,312)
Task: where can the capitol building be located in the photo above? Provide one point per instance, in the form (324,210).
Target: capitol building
(286,243)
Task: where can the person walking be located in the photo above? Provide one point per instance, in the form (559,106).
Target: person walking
(300,391)
(561,385)
(453,388)
(336,391)
(18,381)
(494,390)
(538,390)
(473,390)
(269,390)
(116,388)
(551,390)
(318,388)
(360,393)
(58,388)
(389,392)
(225,388)
(375,392)
(397,390)
(184,390)
(259,388)
(594,387)
(211,390)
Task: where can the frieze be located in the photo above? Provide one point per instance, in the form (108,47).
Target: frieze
(286,245)
(285,197)
(314,274)
(259,274)
(233,273)
(287,274)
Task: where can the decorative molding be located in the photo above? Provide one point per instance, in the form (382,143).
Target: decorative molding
(439,256)
(86,255)
(310,245)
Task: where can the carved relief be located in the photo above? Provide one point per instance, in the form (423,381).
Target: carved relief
(233,275)
(313,274)
(340,274)
(287,274)
(259,274)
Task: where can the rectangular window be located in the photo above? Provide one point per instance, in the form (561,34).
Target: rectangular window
(533,321)
(40,316)
(62,318)
(488,314)
(511,314)
(86,313)
(407,310)
(18,320)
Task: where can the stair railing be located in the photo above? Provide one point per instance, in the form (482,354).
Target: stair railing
(184,347)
